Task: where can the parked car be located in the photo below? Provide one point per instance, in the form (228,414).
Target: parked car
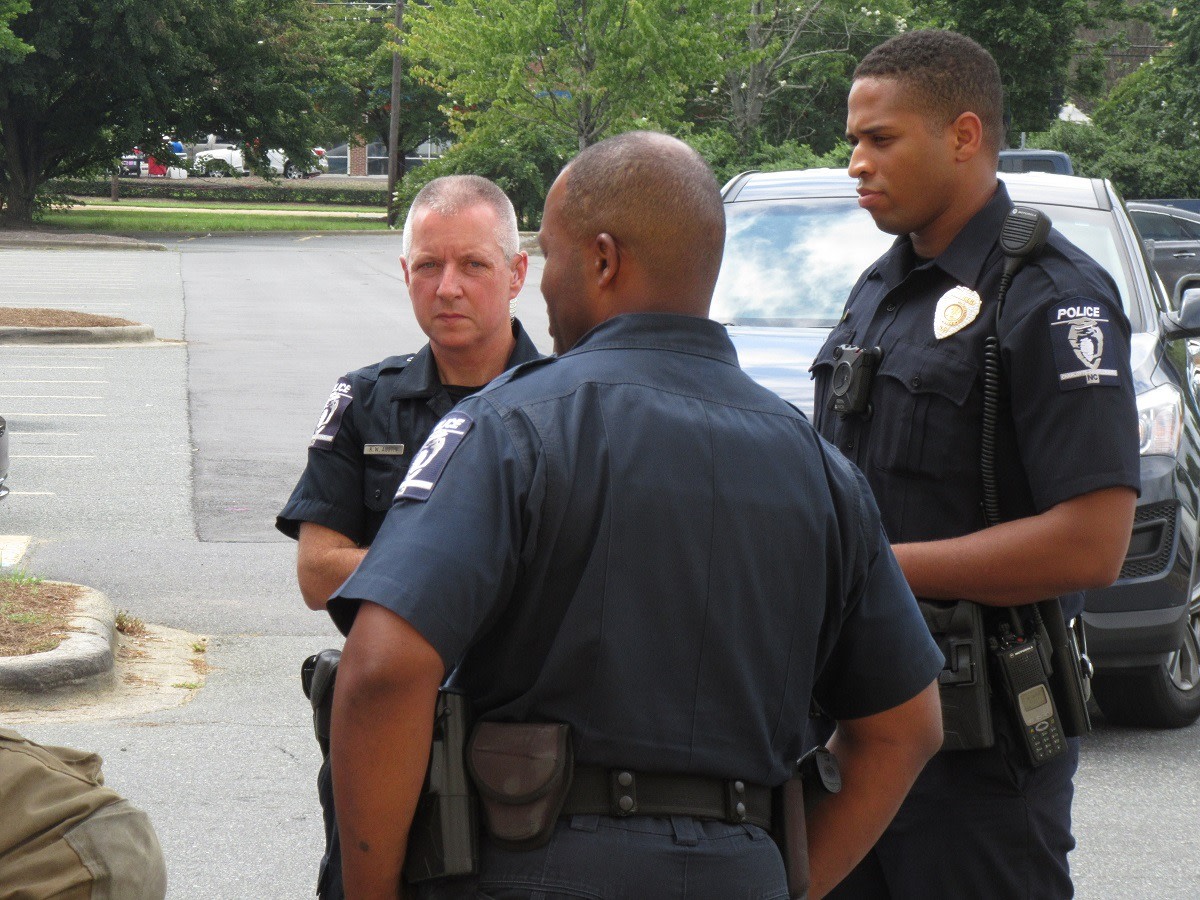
(3,457)
(797,242)
(229,159)
(1172,239)
(1053,161)
(132,163)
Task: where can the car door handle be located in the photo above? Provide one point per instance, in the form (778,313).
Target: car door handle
(1183,255)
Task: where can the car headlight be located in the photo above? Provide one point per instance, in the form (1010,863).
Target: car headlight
(1160,421)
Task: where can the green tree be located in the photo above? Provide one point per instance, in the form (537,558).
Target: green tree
(106,74)
(356,94)
(787,63)
(1035,45)
(581,68)
(11,46)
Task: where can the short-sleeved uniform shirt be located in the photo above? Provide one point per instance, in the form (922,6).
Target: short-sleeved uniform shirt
(1067,420)
(637,539)
(375,421)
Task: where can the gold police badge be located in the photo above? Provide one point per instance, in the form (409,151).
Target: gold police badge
(956,310)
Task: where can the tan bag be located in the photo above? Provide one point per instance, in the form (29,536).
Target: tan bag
(64,835)
(523,773)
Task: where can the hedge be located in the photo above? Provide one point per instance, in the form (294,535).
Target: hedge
(235,190)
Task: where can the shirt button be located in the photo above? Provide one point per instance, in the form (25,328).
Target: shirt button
(891,307)
(849,445)
(378,494)
(916,381)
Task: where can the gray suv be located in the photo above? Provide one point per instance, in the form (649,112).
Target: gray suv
(797,242)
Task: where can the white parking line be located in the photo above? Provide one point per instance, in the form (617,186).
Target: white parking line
(37,456)
(53,382)
(38,434)
(29,415)
(91,368)
(44,397)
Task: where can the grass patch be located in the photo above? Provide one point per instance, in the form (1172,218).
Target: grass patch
(230,206)
(128,625)
(126,221)
(188,685)
(34,614)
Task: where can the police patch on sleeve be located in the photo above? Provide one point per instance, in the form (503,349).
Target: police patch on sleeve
(1084,352)
(331,416)
(431,459)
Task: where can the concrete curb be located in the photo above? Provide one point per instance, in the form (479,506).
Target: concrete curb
(111,334)
(83,660)
(67,240)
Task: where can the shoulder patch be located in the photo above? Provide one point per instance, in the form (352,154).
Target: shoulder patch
(331,416)
(1084,351)
(431,459)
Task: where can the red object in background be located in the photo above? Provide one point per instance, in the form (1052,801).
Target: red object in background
(154,167)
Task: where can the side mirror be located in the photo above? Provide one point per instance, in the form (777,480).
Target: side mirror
(1186,321)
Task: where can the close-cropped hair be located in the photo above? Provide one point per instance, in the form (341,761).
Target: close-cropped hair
(946,74)
(451,194)
(649,190)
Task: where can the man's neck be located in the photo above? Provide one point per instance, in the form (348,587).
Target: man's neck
(474,366)
(930,243)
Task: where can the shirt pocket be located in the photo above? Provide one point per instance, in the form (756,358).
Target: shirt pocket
(381,479)
(926,419)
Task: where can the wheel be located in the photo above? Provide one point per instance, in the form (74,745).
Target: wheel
(1162,696)
(216,168)
(290,171)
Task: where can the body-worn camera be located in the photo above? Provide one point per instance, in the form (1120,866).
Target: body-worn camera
(853,374)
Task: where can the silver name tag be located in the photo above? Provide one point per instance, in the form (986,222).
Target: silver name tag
(383,449)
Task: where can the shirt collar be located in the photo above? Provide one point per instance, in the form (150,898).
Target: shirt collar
(420,377)
(660,331)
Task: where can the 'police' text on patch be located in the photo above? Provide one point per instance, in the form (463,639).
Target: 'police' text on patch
(431,459)
(331,416)
(1080,333)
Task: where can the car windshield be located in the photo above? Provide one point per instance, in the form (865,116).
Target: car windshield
(792,263)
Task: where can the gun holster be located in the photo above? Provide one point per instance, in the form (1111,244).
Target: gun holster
(963,683)
(317,676)
(443,841)
(817,776)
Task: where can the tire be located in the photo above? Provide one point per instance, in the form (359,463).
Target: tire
(1162,696)
(290,171)
(217,169)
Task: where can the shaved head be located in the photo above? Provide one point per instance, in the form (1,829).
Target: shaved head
(658,198)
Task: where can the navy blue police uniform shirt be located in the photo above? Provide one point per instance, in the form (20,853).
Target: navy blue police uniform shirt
(372,426)
(637,539)
(1068,417)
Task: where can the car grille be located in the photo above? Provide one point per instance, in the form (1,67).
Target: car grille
(1153,540)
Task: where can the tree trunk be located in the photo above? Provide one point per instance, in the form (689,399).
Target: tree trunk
(116,187)
(22,173)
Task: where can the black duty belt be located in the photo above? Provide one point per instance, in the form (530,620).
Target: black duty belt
(622,792)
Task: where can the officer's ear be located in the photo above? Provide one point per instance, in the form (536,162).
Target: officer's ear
(404,266)
(968,135)
(606,259)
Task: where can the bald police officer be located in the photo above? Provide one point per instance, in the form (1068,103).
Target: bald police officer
(925,120)
(637,540)
(464,268)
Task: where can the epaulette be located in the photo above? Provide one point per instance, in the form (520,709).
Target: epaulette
(518,371)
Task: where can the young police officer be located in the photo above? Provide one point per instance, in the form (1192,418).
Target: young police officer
(925,123)
(637,540)
(463,266)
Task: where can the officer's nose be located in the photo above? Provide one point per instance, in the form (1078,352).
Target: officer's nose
(859,163)
(450,285)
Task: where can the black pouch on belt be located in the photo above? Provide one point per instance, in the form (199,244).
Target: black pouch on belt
(963,683)
(523,773)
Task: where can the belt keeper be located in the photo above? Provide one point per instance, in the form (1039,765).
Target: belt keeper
(735,801)
(622,792)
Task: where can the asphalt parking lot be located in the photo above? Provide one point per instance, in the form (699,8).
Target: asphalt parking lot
(152,472)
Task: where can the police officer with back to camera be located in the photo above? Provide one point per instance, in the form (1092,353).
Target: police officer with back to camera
(635,548)
(463,267)
(901,390)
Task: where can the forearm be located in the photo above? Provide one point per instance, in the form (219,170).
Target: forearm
(382,728)
(323,572)
(1077,545)
(878,770)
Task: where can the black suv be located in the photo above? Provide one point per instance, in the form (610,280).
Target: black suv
(797,242)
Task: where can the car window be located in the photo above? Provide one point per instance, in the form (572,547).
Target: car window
(1158,227)
(793,262)
(1190,229)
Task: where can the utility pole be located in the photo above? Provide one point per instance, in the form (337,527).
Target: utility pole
(394,122)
